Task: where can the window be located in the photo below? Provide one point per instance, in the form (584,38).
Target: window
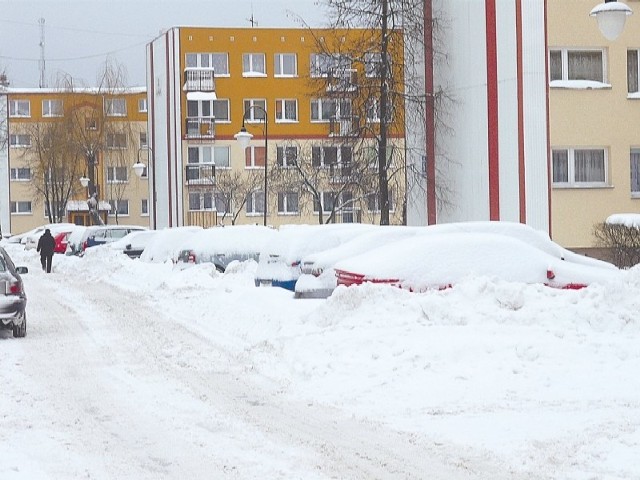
(201,201)
(287,203)
(223,202)
(285,65)
(142,105)
(567,64)
(326,109)
(330,155)
(218,109)
(323,63)
(221,110)
(632,71)
(286,110)
(373,202)
(115,107)
(119,207)
(254,109)
(218,155)
(21,207)
(328,202)
(116,140)
(253,65)
(255,203)
(218,61)
(373,64)
(20,174)
(144,207)
(19,108)
(20,140)
(635,172)
(373,111)
(579,167)
(254,156)
(286,156)
(52,108)
(117,174)
(143,140)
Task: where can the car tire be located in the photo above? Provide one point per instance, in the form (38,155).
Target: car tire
(20,331)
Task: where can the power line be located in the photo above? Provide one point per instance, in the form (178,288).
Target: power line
(74,29)
(71,59)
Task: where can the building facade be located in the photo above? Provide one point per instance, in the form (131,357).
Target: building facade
(55,138)
(594,99)
(302,95)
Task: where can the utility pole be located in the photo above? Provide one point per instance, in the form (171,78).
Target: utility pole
(43,82)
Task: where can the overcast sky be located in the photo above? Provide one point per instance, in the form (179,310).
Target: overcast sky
(81,35)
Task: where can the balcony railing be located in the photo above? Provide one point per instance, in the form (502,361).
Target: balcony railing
(200,174)
(201,127)
(199,80)
(342,80)
(343,126)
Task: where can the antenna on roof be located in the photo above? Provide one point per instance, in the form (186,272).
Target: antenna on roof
(41,62)
(252,19)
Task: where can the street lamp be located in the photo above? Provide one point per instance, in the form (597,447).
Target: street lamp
(243,137)
(90,183)
(140,167)
(611,16)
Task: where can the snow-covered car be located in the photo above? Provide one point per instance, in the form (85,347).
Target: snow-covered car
(134,243)
(13,299)
(439,261)
(280,261)
(223,245)
(30,239)
(166,244)
(110,233)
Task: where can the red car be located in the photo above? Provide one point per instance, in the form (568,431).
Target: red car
(61,239)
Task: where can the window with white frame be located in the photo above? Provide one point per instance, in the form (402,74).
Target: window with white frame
(119,207)
(254,156)
(581,167)
(253,65)
(219,155)
(288,203)
(254,109)
(143,140)
(373,202)
(327,109)
(51,108)
(223,202)
(116,141)
(373,111)
(322,156)
(285,65)
(566,64)
(221,110)
(19,108)
(117,174)
(218,109)
(373,64)
(20,174)
(322,64)
(328,200)
(286,155)
(218,61)
(142,105)
(201,201)
(19,140)
(634,166)
(144,207)
(115,107)
(21,207)
(286,110)
(255,203)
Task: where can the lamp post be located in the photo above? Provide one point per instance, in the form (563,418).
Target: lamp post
(90,183)
(611,16)
(243,137)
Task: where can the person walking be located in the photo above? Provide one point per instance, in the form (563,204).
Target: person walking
(46,244)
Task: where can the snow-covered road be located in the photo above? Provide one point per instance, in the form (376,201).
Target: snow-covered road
(106,385)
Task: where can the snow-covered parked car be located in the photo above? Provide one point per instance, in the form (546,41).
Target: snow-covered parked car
(13,299)
(165,245)
(222,245)
(280,262)
(134,243)
(442,260)
(30,239)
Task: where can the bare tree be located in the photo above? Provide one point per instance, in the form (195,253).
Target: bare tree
(232,188)
(4,117)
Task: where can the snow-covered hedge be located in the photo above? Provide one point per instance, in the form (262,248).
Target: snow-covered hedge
(620,233)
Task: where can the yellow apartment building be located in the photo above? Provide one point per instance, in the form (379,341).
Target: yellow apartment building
(62,145)
(304,97)
(594,120)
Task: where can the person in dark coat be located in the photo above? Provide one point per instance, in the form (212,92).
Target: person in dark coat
(46,244)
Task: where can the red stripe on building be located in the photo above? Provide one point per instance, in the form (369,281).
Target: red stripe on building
(521,156)
(492,109)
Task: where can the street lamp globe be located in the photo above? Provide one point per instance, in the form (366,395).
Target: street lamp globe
(611,16)
(84,181)
(243,137)
(138,168)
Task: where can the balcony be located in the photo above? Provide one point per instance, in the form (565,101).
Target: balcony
(203,174)
(200,127)
(340,126)
(199,80)
(342,80)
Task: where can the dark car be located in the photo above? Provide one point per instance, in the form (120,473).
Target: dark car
(13,299)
